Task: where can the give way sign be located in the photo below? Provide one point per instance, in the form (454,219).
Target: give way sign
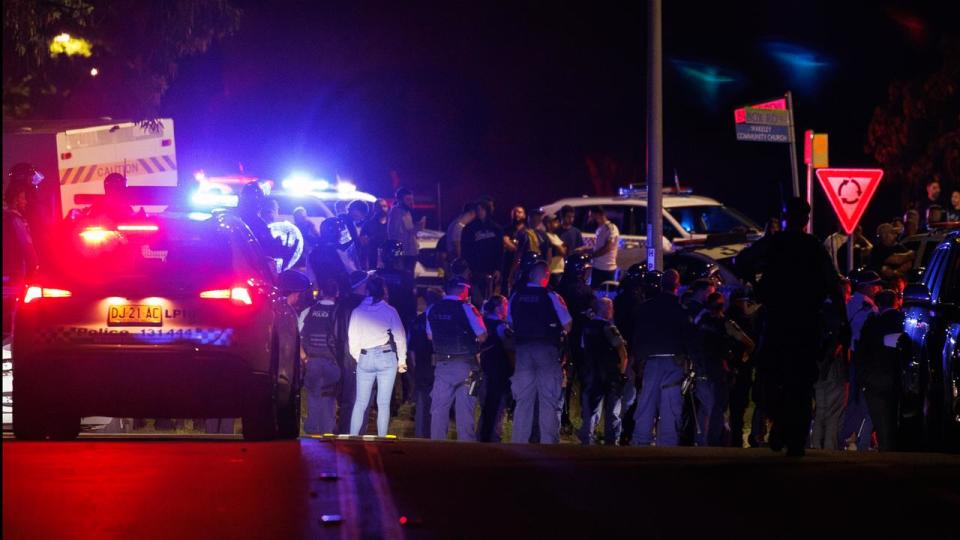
(849,192)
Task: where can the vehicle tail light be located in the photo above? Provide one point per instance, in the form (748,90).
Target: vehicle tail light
(96,235)
(34,292)
(237,294)
(138,228)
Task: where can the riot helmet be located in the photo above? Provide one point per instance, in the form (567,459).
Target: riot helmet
(331,229)
(652,283)
(391,251)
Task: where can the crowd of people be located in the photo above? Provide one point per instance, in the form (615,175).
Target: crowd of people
(524,325)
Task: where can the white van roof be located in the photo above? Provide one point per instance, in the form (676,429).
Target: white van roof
(669,201)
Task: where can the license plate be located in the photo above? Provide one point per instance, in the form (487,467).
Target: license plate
(134,315)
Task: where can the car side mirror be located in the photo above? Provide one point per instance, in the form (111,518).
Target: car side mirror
(916,293)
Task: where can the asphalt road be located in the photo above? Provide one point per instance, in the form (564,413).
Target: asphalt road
(216,488)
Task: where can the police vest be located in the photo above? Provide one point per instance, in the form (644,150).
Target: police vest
(534,318)
(717,346)
(316,337)
(452,333)
(601,356)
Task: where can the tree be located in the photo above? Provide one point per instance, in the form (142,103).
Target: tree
(916,134)
(136,47)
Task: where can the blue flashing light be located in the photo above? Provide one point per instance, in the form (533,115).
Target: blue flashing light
(199,216)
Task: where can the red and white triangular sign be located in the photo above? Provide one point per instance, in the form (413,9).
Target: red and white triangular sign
(849,191)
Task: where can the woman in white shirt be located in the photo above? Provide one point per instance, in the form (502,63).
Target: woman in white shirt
(378,341)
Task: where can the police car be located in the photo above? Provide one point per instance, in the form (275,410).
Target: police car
(702,228)
(170,316)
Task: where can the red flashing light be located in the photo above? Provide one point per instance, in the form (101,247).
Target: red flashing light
(403,520)
(238,294)
(34,293)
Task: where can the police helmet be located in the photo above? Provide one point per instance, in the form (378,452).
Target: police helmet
(25,173)
(528,258)
(293,281)
(459,266)
(251,196)
(578,263)
(391,250)
(652,281)
(330,229)
(636,272)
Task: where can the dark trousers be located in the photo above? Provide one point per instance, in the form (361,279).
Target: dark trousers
(421,414)
(348,396)
(881,401)
(493,404)
(597,277)
(789,371)
(739,400)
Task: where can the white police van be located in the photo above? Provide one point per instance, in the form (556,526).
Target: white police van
(697,231)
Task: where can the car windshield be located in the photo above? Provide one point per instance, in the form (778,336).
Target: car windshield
(186,253)
(712,219)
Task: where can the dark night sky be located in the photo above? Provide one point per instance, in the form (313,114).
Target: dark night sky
(515,96)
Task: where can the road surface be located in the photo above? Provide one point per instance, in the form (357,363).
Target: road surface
(187,488)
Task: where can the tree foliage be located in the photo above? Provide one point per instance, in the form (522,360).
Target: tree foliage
(915,135)
(137,45)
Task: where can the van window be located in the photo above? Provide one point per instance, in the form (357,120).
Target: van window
(625,217)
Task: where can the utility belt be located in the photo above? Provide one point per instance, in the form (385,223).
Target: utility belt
(380,348)
(439,358)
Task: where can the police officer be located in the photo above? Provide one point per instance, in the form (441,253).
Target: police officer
(357,285)
(723,345)
(882,351)
(578,296)
(401,288)
(328,260)
(322,373)
(19,255)
(539,318)
(860,307)
(496,362)
(456,329)
(249,204)
(629,296)
(662,344)
(115,204)
(602,374)
(420,358)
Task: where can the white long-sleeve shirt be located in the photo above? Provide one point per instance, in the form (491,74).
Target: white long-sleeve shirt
(368,327)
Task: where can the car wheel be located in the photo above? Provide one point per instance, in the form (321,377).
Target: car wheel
(260,421)
(288,416)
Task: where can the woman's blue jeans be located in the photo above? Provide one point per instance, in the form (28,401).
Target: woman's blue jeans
(378,365)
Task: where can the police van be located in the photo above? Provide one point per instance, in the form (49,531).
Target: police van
(698,232)
(75,156)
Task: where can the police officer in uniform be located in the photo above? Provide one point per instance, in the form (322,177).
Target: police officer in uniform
(19,254)
(539,318)
(401,288)
(322,373)
(329,260)
(662,344)
(602,374)
(249,204)
(456,329)
(496,362)
(628,298)
(578,296)
(883,348)
(420,358)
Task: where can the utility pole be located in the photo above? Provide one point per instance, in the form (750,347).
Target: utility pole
(794,172)
(654,136)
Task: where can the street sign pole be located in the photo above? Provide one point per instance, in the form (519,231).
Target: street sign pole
(654,137)
(794,170)
(850,243)
(808,143)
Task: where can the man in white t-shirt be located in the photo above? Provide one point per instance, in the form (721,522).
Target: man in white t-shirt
(557,250)
(605,248)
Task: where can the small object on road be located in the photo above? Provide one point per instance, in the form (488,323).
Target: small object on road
(331,519)
(410,521)
(329,476)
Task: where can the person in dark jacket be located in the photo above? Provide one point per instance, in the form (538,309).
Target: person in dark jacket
(420,353)
(20,259)
(602,374)
(322,371)
(797,276)
(883,349)
(663,342)
(329,260)
(629,295)
(496,362)
(578,296)
(482,248)
(743,311)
